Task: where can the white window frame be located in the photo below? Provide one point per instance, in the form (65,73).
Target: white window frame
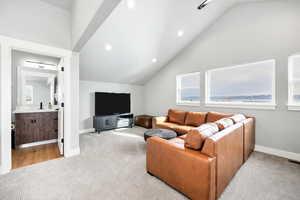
(246,105)
(178,94)
(291,104)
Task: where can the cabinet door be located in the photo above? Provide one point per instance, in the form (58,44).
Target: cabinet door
(48,126)
(26,129)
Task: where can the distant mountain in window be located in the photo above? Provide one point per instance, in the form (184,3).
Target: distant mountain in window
(190,94)
(243,98)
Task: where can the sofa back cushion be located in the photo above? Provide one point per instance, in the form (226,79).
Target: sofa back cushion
(176,116)
(215,116)
(238,118)
(195,118)
(196,137)
(224,123)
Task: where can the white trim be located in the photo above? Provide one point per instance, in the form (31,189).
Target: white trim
(242,65)
(72,152)
(294,107)
(37,143)
(291,104)
(278,152)
(90,130)
(266,106)
(5,106)
(71,76)
(242,105)
(3,171)
(195,104)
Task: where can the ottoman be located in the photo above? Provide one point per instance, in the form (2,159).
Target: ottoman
(162,133)
(143,121)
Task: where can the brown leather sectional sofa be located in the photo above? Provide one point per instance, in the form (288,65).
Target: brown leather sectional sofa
(201,174)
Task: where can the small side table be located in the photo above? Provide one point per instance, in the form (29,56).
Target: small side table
(143,121)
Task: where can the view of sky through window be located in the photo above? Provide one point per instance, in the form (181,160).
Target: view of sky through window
(246,83)
(296,79)
(189,88)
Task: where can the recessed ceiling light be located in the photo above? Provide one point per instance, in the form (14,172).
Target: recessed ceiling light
(108,47)
(180,33)
(131,4)
(154,60)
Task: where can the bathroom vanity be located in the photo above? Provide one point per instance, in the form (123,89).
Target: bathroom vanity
(35,126)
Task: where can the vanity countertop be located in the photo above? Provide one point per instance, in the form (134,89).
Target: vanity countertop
(34,111)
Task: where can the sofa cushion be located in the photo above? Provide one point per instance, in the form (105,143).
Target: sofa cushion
(195,118)
(181,129)
(238,118)
(166,125)
(197,136)
(224,123)
(176,116)
(215,116)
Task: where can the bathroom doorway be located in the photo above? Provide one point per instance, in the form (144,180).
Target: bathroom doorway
(37,108)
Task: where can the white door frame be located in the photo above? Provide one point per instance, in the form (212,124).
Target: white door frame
(71,76)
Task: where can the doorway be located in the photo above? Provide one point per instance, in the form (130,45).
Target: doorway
(37,108)
(71,96)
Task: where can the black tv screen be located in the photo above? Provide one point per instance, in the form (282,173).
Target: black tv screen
(111,103)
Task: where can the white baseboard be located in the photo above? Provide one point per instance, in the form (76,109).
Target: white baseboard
(72,152)
(3,171)
(90,130)
(37,143)
(277,152)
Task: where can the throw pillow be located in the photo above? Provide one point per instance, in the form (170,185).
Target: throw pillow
(224,123)
(196,137)
(238,118)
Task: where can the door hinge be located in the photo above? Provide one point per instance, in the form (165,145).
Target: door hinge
(62,140)
(62,69)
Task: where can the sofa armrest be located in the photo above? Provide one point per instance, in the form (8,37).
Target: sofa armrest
(188,171)
(227,147)
(249,137)
(157,120)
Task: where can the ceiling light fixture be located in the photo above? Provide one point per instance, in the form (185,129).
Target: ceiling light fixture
(131,4)
(39,65)
(154,60)
(180,33)
(108,47)
(204,3)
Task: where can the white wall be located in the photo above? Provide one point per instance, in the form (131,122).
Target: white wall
(34,20)
(87,99)
(247,33)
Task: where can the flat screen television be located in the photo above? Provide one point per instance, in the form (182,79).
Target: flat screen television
(111,103)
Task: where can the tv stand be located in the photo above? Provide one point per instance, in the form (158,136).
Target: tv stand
(110,122)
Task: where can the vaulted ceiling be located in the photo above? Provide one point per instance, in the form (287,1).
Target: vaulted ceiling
(140,37)
(64,4)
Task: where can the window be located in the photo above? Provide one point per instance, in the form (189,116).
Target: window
(188,89)
(294,82)
(248,86)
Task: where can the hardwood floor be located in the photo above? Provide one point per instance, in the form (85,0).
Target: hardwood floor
(32,155)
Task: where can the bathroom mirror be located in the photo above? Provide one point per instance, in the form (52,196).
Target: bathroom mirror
(35,87)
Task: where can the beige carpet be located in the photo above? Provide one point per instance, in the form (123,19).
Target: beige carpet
(112,166)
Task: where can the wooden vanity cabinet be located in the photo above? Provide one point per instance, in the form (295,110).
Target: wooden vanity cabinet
(36,127)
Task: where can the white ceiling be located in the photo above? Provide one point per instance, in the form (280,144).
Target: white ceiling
(141,34)
(64,4)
